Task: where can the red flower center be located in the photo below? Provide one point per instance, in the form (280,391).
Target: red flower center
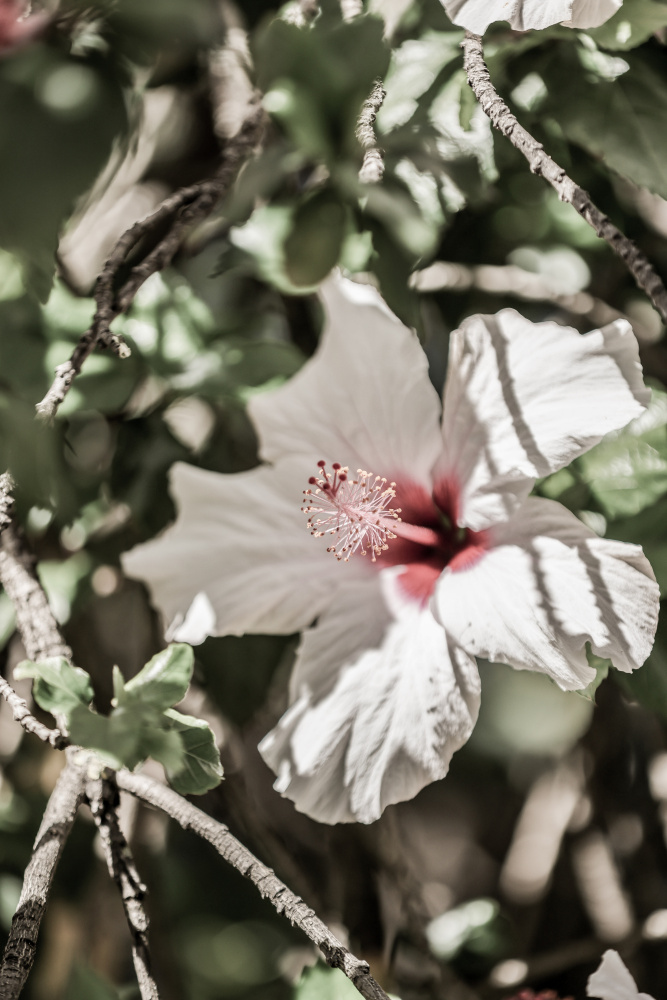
(397,523)
(444,544)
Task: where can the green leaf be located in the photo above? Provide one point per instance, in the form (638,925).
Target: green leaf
(627,472)
(602,669)
(631,25)
(163,745)
(58,687)
(625,475)
(201,768)
(415,68)
(323,983)
(114,738)
(164,680)
(648,529)
(314,245)
(648,685)
(58,119)
(84,984)
(623,121)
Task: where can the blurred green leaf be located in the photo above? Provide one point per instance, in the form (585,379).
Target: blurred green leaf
(601,668)
(199,769)
(84,984)
(322,983)
(625,475)
(314,245)
(316,80)
(631,25)
(627,471)
(623,120)
(163,681)
(58,687)
(59,117)
(648,685)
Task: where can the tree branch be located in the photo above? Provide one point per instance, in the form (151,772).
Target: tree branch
(541,163)
(372,169)
(34,618)
(263,878)
(188,207)
(511,281)
(56,824)
(103,799)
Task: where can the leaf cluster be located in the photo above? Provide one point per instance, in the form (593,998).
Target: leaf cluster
(142,722)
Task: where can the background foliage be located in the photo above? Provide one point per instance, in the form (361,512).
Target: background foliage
(142,93)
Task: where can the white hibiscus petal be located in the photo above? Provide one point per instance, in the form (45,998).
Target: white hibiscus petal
(523,399)
(477,15)
(547,586)
(363,400)
(612,981)
(592,13)
(239,557)
(381,704)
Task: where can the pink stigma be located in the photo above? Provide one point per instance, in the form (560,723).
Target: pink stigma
(354,510)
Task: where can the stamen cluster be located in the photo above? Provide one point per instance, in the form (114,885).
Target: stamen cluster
(356,510)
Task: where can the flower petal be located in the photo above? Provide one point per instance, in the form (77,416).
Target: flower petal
(523,399)
(477,15)
(612,981)
(364,399)
(239,557)
(380,704)
(547,586)
(592,13)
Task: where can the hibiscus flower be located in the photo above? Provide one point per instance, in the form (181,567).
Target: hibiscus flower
(460,561)
(477,15)
(612,981)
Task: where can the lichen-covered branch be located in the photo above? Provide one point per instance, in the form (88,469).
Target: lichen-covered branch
(263,878)
(102,795)
(56,824)
(541,163)
(34,618)
(186,207)
(372,168)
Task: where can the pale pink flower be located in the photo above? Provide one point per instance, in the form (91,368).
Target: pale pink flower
(612,981)
(477,15)
(385,686)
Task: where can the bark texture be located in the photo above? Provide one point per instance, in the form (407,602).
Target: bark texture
(262,877)
(56,824)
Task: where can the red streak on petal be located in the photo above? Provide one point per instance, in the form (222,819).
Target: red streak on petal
(447,495)
(468,556)
(418,580)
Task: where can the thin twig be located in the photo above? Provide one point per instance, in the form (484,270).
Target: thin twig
(25,718)
(372,168)
(263,878)
(542,164)
(34,618)
(56,824)
(6,500)
(102,795)
(187,207)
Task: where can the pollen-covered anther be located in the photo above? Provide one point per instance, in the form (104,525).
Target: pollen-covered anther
(355,510)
